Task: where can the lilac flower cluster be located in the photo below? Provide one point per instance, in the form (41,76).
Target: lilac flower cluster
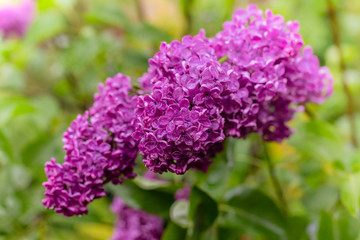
(99,149)
(15,20)
(251,77)
(133,224)
(180,121)
(274,77)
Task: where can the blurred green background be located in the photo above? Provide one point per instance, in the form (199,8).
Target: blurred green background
(50,76)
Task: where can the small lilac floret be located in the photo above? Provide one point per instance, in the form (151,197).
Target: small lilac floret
(183,193)
(133,224)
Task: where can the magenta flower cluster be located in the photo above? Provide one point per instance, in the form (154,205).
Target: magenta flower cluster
(16,19)
(180,120)
(133,224)
(99,149)
(275,78)
(251,77)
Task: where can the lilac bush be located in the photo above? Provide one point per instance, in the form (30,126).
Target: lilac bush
(133,224)
(253,76)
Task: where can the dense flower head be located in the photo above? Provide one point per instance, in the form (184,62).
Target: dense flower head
(114,110)
(99,149)
(180,120)
(134,224)
(15,19)
(275,76)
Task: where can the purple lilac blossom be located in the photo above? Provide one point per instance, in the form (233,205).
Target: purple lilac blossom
(275,77)
(148,175)
(180,121)
(133,224)
(99,149)
(16,19)
(183,193)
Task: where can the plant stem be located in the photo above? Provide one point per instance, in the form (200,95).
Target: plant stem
(187,6)
(223,59)
(335,28)
(275,181)
(310,114)
(140,10)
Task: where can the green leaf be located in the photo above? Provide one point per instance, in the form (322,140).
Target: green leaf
(203,212)
(179,213)
(324,141)
(173,232)
(350,192)
(297,227)
(81,53)
(151,201)
(146,184)
(348,227)
(211,233)
(149,33)
(46,25)
(320,198)
(5,147)
(229,233)
(216,179)
(23,108)
(95,231)
(45,4)
(326,227)
(354,161)
(11,76)
(7,107)
(19,183)
(251,209)
(108,14)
